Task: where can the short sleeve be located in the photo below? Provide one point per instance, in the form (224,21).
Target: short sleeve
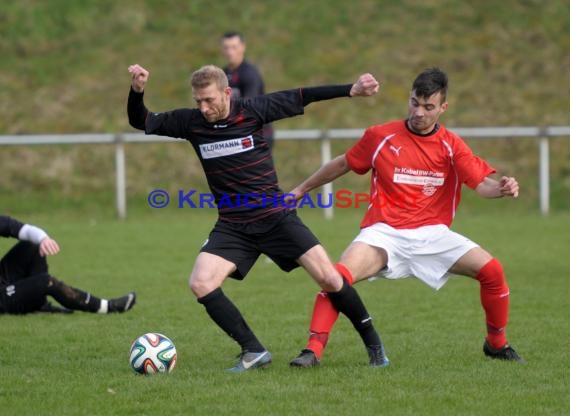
(472,170)
(359,156)
(276,106)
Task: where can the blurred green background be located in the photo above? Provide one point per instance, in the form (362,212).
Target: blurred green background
(64,70)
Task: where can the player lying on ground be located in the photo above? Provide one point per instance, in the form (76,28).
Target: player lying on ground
(25,282)
(227,136)
(418,168)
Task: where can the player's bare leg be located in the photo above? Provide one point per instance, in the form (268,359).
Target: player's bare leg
(480,265)
(327,307)
(207,276)
(364,260)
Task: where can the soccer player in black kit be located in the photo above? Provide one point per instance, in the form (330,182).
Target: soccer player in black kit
(25,281)
(243,77)
(227,137)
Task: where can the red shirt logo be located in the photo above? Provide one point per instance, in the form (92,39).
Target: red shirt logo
(246,143)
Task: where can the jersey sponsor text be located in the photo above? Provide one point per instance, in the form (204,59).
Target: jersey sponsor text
(226,147)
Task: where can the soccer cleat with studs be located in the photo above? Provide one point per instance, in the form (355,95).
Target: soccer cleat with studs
(507,353)
(123,303)
(251,360)
(377,356)
(305,359)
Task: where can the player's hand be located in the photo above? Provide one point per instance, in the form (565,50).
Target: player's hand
(292,197)
(139,77)
(365,86)
(509,186)
(48,247)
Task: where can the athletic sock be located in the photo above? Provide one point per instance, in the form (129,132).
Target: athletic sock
(349,303)
(495,302)
(324,316)
(104,307)
(322,321)
(72,298)
(227,316)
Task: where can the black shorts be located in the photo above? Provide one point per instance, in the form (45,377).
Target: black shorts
(282,237)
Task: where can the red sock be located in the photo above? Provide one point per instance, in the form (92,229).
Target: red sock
(324,316)
(495,301)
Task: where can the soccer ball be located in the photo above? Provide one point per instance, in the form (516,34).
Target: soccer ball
(152,353)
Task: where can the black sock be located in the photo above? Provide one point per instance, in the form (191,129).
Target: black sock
(349,303)
(227,316)
(72,298)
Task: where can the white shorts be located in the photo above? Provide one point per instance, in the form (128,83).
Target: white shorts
(426,252)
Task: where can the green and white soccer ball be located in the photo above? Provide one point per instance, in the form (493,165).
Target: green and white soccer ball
(152,353)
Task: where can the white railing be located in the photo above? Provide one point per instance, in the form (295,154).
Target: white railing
(543,134)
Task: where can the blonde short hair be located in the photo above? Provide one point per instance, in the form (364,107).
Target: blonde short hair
(208,75)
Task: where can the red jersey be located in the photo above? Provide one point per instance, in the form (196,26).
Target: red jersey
(416,179)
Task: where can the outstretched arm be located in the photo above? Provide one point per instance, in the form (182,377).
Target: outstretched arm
(326,173)
(289,103)
(365,86)
(136,109)
(491,188)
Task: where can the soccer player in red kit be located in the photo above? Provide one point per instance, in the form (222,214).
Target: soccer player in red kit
(418,168)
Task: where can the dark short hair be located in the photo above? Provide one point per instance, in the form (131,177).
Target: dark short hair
(233,34)
(429,82)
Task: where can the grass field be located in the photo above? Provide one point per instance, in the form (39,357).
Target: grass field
(77,365)
(63,70)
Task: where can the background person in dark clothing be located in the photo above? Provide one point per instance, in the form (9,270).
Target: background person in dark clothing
(25,282)
(244,78)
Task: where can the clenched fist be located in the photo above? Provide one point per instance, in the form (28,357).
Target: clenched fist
(139,77)
(366,85)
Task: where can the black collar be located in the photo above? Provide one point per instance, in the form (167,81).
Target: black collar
(435,129)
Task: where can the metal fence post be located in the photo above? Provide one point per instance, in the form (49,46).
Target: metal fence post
(544,175)
(328,187)
(120,181)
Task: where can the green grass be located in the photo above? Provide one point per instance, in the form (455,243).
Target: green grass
(63,70)
(504,58)
(76,365)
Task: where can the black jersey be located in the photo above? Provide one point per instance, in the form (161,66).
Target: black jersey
(9,227)
(245,81)
(233,152)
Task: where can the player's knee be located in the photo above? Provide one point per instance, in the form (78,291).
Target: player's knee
(199,285)
(195,285)
(43,280)
(329,282)
(27,245)
(492,276)
(28,250)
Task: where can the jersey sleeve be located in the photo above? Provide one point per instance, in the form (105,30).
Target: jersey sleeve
(276,106)
(471,169)
(359,156)
(176,123)
(9,227)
